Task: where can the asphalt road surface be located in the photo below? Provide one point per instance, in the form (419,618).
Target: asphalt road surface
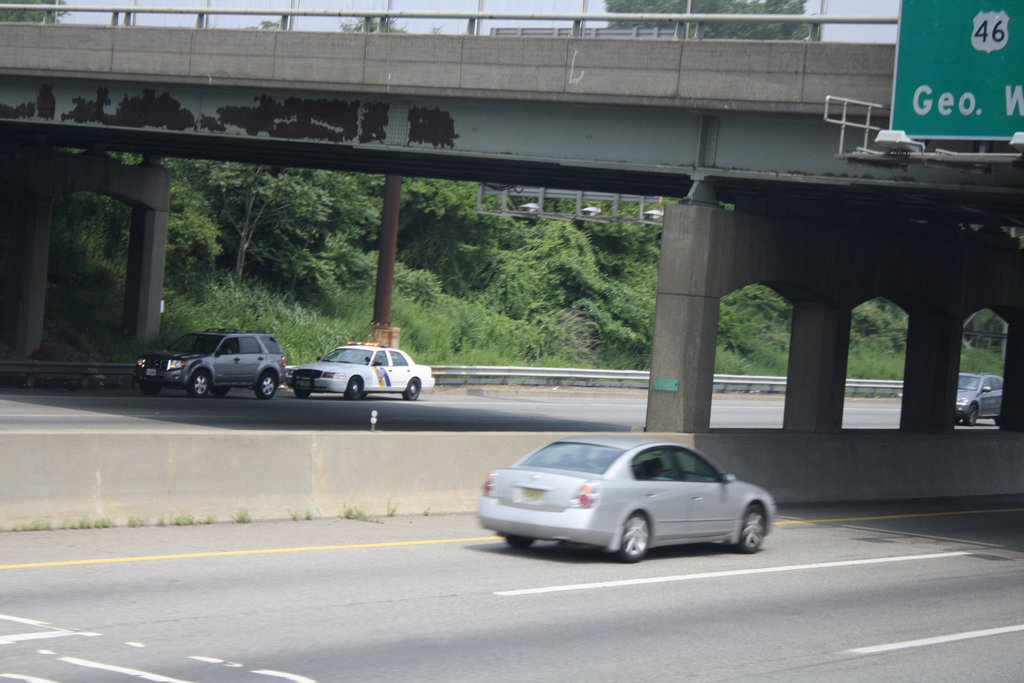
(483,409)
(927,591)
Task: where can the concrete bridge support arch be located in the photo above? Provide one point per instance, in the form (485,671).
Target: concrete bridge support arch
(39,176)
(825,268)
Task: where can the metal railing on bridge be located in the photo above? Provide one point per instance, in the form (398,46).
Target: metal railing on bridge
(31,373)
(587,206)
(689,25)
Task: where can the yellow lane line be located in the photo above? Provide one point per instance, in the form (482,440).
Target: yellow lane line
(228,553)
(903,516)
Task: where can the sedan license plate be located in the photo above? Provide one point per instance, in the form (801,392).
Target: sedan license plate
(303,383)
(531,495)
(150,372)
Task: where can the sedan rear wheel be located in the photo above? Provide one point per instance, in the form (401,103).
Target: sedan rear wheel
(752,531)
(636,534)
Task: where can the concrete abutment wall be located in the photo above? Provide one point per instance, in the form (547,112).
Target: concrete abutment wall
(938,274)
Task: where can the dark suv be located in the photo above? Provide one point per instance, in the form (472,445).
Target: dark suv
(978,395)
(212,362)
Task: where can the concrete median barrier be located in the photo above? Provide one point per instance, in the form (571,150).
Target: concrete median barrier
(62,479)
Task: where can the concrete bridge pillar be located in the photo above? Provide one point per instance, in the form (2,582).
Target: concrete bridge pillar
(816,380)
(40,175)
(935,273)
(147,246)
(930,373)
(685,325)
(28,252)
(708,252)
(1012,418)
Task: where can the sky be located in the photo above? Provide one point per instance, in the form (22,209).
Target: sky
(843,33)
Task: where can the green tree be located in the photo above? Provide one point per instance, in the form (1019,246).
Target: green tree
(314,254)
(879,325)
(546,272)
(246,197)
(24,15)
(752,318)
(193,236)
(440,231)
(712,31)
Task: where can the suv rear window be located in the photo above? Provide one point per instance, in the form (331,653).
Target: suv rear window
(272,345)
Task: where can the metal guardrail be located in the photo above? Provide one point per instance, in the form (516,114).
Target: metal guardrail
(31,373)
(383,19)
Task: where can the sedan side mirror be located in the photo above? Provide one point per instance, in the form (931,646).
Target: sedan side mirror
(728,478)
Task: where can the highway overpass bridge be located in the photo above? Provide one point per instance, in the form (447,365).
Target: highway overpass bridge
(715,122)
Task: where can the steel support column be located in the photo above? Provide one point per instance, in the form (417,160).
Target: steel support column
(383,331)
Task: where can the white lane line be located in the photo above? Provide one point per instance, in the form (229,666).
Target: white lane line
(937,640)
(41,635)
(282,674)
(50,632)
(137,673)
(725,574)
(27,679)
(23,620)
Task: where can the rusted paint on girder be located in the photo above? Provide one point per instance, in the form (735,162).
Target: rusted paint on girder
(295,118)
(147,110)
(374,122)
(432,126)
(44,107)
(291,118)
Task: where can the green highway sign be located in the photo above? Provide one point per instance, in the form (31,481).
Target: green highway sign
(666,384)
(960,69)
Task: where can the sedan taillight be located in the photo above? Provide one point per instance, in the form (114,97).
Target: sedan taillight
(586,497)
(489,484)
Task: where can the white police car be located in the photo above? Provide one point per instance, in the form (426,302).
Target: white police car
(358,369)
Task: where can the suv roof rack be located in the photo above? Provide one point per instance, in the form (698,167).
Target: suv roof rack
(227,330)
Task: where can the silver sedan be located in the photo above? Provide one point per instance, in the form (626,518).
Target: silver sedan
(625,495)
